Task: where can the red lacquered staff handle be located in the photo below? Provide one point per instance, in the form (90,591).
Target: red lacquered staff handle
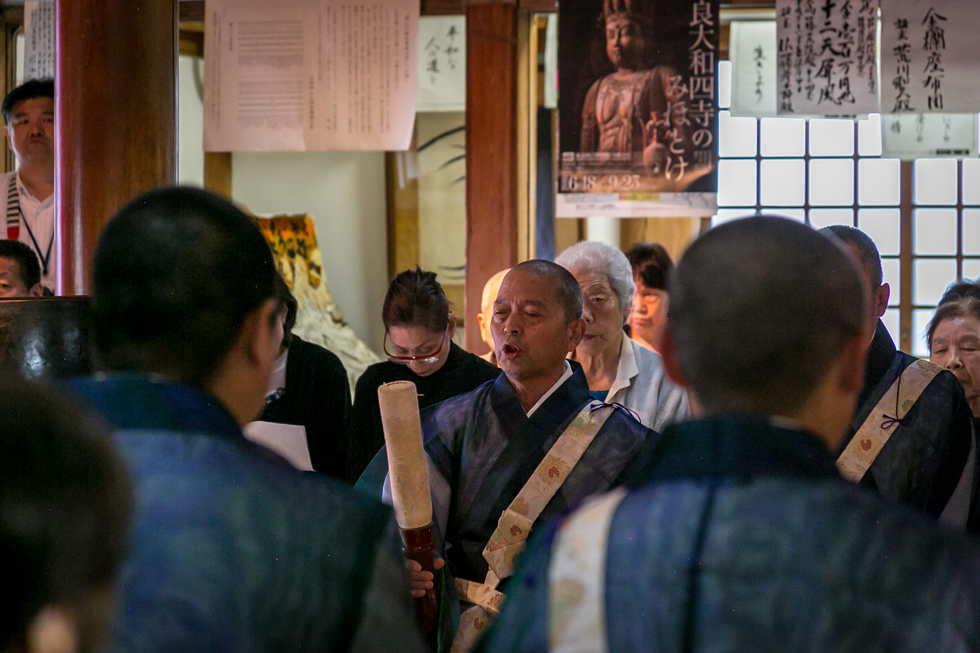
(420,547)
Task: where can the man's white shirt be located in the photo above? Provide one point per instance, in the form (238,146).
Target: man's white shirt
(39,216)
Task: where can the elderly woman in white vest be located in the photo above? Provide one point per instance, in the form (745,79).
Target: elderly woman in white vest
(618,369)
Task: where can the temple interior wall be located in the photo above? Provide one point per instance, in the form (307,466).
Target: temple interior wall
(343,191)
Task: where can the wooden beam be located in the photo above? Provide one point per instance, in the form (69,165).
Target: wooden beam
(403,211)
(116,118)
(491,151)
(217,173)
(191,10)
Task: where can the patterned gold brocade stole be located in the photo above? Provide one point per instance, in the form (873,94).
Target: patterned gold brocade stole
(577,578)
(871,438)
(508,539)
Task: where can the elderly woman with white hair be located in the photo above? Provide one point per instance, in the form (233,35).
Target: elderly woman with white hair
(618,369)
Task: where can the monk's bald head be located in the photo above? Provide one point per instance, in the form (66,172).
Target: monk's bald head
(760,309)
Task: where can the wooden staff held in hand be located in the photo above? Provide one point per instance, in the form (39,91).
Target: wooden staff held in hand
(410,489)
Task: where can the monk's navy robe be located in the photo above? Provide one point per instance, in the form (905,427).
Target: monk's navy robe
(738,535)
(234,550)
(925,457)
(482,448)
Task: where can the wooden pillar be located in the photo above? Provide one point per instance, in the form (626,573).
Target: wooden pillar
(491,152)
(116,116)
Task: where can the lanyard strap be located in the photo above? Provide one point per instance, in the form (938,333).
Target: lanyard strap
(13,209)
(45,258)
(15,215)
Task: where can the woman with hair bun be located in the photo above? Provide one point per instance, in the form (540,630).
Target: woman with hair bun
(419,329)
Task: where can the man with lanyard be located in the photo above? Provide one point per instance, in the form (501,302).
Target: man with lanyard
(911,438)
(519,451)
(735,531)
(28,114)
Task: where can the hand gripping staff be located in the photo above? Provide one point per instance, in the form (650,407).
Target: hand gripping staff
(410,488)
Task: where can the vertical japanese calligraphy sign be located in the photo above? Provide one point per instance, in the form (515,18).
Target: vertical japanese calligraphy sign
(752,50)
(309,75)
(638,125)
(442,64)
(909,136)
(929,57)
(38,39)
(827,61)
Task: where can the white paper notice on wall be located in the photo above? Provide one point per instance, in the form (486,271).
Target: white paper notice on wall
(911,136)
(827,57)
(39,39)
(442,64)
(752,49)
(551,62)
(929,54)
(309,75)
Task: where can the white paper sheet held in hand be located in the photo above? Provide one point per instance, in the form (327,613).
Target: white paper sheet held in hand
(409,477)
(287,440)
(309,75)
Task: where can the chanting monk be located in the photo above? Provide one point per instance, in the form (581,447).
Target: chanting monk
(929,452)
(735,531)
(485,446)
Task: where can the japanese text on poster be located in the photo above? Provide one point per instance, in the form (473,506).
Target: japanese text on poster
(910,136)
(928,56)
(442,64)
(638,109)
(39,39)
(827,56)
(752,48)
(309,75)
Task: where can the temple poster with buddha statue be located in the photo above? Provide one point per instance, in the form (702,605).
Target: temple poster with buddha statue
(638,108)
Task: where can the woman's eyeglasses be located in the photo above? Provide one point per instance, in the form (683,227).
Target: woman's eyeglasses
(425,360)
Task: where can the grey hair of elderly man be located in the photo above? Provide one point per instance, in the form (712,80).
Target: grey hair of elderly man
(599,257)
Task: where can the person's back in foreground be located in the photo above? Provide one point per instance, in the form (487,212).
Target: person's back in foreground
(232,549)
(64,512)
(737,533)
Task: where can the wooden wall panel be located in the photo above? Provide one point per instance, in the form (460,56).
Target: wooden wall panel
(491,151)
(116,117)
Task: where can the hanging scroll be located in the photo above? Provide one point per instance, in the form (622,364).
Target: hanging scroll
(827,57)
(309,75)
(752,48)
(638,108)
(928,51)
(442,64)
(38,39)
(912,136)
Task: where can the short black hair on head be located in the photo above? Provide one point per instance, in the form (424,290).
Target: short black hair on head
(760,308)
(866,248)
(177,272)
(65,504)
(29,90)
(651,264)
(569,292)
(415,298)
(30,267)
(288,302)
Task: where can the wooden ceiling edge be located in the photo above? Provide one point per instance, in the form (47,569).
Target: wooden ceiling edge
(191,10)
